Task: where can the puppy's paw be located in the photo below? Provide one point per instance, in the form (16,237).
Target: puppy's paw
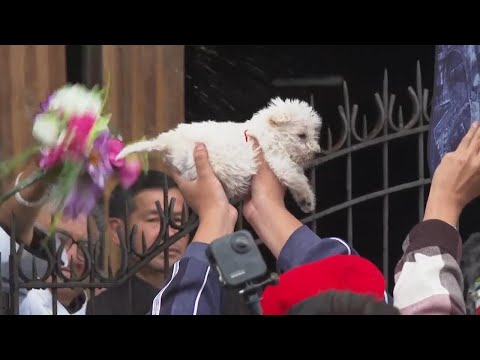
(307,202)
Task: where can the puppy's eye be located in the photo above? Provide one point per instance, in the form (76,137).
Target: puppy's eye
(302,136)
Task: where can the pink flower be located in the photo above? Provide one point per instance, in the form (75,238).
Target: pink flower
(129,172)
(114,148)
(51,158)
(79,127)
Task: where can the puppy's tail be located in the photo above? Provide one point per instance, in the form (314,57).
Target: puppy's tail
(142,146)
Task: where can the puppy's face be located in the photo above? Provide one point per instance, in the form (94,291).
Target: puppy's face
(296,127)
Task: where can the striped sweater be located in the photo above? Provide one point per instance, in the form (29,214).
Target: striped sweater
(428,279)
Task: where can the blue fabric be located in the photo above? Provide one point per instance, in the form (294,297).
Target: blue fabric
(193,287)
(455,102)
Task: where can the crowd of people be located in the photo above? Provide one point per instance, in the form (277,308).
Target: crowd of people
(317,275)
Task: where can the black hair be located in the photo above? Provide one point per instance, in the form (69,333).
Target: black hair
(342,303)
(470,266)
(121,199)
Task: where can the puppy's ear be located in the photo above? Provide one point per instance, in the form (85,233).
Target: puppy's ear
(278,119)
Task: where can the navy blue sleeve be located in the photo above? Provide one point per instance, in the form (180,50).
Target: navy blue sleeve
(192,287)
(305,246)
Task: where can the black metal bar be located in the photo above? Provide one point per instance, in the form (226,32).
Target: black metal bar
(313,180)
(130,297)
(54,295)
(92,65)
(386,208)
(367,197)
(4,299)
(13,267)
(166,228)
(91,291)
(120,278)
(421,155)
(326,81)
(367,144)
(349,189)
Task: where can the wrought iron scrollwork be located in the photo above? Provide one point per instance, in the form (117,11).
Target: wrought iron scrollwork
(96,273)
(385,105)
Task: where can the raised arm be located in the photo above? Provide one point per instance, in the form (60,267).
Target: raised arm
(428,279)
(193,287)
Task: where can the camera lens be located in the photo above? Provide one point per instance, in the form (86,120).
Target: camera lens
(240,244)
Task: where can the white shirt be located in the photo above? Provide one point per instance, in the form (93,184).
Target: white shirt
(39,302)
(35,301)
(5,246)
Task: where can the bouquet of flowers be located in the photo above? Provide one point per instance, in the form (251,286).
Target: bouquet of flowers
(77,150)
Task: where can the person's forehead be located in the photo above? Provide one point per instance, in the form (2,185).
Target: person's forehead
(147,198)
(77,228)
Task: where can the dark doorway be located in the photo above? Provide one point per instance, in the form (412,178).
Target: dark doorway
(231,82)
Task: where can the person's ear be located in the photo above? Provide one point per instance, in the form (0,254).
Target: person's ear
(115,226)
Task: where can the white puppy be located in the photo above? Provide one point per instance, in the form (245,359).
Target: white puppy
(287,131)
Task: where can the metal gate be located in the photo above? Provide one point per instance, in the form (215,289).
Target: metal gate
(353,137)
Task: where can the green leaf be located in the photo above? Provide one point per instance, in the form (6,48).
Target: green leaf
(96,89)
(100,125)
(65,182)
(144,162)
(68,177)
(107,91)
(53,227)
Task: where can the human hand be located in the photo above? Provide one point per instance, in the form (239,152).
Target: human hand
(266,190)
(206,197)
(456,181)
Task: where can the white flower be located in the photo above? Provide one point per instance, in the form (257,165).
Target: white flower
(46,129)
(76,99)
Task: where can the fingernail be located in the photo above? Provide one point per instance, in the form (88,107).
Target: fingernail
(476,123)
(199,146)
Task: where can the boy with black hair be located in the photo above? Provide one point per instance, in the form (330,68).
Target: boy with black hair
(140,201)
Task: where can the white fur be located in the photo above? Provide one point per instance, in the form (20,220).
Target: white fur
(277,128)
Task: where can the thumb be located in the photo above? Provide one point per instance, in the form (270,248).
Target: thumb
(169,169)
(202,164)
(173,172)
(467,139)
(259,158)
